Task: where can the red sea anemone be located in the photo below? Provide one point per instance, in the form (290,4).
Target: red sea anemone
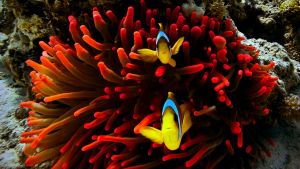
(91,98)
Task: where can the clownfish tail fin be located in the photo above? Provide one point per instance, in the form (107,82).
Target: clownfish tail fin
(172,62)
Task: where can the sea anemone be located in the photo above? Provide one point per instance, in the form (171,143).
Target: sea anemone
(93,97)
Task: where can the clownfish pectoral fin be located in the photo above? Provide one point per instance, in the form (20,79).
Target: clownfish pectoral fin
(152,134)
(186,122)
(147,55)
(172,62)
(176,46)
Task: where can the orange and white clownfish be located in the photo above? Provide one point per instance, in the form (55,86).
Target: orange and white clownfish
(163,50)
(176,121)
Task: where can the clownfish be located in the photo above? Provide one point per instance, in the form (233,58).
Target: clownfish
(176,121)
(163,51)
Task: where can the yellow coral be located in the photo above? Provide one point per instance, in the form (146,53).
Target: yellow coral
(290,4)
(217,8)
(32,27)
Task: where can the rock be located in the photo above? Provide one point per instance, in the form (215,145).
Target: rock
(268,22)
(30,29)
(21,113)
(8,159)
(10,127)
(3,37)
(285,154)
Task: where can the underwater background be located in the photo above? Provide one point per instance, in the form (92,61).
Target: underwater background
(236,73)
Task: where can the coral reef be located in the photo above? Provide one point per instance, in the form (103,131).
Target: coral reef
(290,11)
(290,108)
(22,30)
(217,8)
(93,98)
(31,31)
(262,14)
(278,21)
(292,5)
(190,6)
